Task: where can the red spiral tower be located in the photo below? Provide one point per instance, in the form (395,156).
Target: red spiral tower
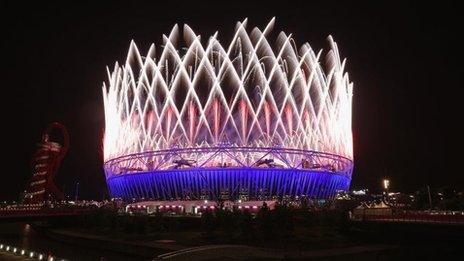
(45,163)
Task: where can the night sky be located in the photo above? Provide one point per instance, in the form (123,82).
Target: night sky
(405,61)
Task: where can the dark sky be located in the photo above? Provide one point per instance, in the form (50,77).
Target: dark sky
(405,61)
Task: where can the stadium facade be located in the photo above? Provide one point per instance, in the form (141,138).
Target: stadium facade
(252,119)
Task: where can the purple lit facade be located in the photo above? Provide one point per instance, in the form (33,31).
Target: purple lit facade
(318,175)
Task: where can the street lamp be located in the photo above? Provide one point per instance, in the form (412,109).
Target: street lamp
(76,194)
(386,184)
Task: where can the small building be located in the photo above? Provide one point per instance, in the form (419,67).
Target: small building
(194,207)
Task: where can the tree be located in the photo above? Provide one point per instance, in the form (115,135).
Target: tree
(282,217)
(208,223)
(264,222)
(141,223)
(247,230)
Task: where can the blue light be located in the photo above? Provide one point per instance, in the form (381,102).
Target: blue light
(254,182)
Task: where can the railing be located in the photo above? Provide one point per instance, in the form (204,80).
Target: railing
(31,210)
(408,216)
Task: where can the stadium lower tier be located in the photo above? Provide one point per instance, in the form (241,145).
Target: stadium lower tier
(232,183)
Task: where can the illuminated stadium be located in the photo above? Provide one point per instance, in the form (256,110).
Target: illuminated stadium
(253,119)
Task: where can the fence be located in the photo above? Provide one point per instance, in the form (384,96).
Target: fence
(408,216)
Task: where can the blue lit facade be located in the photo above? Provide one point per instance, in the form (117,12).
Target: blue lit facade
(231,172)
(253,182)
(211,175)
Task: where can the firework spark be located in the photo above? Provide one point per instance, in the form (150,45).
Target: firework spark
(248,94)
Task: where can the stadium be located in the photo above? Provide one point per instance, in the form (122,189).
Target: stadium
(253,120)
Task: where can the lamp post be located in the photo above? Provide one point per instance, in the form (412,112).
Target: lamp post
(76,194)
(386,185)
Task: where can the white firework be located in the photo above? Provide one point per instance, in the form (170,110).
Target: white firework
(247,94)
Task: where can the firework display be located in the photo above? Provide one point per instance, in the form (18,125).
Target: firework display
(254,118)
